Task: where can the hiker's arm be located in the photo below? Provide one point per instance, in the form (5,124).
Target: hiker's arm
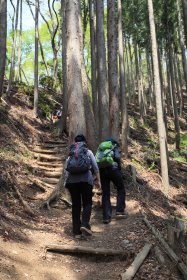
(95,169)
(98,183)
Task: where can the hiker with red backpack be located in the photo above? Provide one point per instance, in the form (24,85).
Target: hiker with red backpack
(108,159)
(80,167)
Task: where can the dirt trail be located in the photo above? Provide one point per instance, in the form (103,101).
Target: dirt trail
(22,244)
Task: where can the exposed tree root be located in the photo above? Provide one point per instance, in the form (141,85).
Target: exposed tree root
(56,194)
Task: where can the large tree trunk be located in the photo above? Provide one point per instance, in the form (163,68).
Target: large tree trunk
(89,115)
(113,70)
(3,36)
(77,123)
(36,61)
(160,117)
(94,60)
(63,126)
(124,132)
(102,73)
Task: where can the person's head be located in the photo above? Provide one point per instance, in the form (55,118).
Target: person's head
(80,138)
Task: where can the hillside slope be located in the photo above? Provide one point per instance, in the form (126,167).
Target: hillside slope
(23,236)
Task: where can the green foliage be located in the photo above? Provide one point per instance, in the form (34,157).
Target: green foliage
(45,104)
(179,155)
(184,141)
(46,81)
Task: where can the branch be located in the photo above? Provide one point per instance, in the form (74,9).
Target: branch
(133,268)
(85,250)
(181,266)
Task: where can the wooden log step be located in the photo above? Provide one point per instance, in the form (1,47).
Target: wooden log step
(42,184)
(43,151)
(52,174)
(49,157)
(50,169)
(52,181)
(50,164)
(54,142)
(85,250)
(51,146)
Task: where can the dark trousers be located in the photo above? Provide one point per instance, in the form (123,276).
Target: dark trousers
(81,195)
(110,174)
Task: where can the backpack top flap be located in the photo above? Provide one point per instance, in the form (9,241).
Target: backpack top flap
(78,161)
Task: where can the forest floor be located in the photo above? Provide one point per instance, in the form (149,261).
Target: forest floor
(23,237)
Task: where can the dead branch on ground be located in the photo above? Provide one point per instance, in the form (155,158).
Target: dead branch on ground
(133,268)
(181,266)
(85,250)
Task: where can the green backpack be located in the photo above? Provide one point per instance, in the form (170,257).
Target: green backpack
(105,154)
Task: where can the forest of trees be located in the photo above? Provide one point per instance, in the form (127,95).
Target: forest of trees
(103,56)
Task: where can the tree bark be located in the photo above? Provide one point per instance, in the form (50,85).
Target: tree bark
(113,70)
(12,65)
(94,60)
(77,122)
(125,125)
(84,250)
(3,36)
(157,86)
(36,61)
(102,73)
(184,2)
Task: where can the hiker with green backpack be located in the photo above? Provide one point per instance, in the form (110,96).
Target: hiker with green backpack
(109,163)
(80,168)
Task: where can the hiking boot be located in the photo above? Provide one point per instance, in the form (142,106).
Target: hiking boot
(121,215)
(106,221)
(86,231)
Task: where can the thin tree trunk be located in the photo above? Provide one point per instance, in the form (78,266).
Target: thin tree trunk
(184,2)
(113,70)
(160,117)
(176,117)
(64,69)
(181,105)
(181,42)
(36,61)
(102,73)
(124,132)
(3,36)
(40,43)
(12,65)
(131,70)
(18,74)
